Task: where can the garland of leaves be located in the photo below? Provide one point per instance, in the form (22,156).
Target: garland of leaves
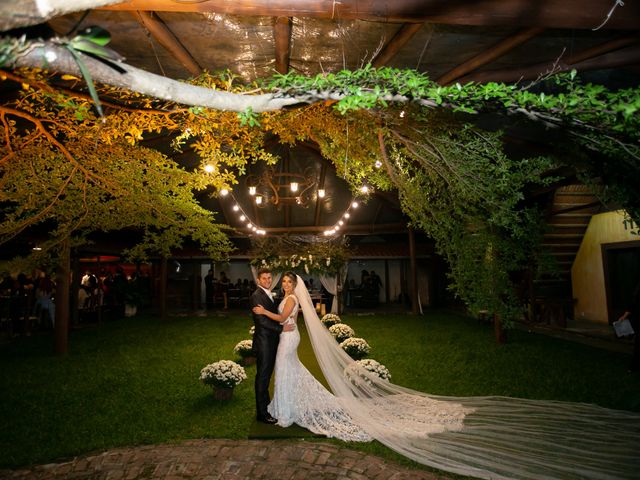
(301,257)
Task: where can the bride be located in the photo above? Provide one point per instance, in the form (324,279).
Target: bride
(298,397)
(485,437)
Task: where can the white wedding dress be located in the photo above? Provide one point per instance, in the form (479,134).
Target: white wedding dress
(485,437)
(300,398)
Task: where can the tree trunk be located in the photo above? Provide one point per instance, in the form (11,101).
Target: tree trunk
(62,300)
(163,288)
(500,332)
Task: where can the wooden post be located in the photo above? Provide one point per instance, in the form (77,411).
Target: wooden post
(100,302)
(414,272)
(338,293)
(195,293)
(386,281)
(163,288)
(61,332)
(75,286)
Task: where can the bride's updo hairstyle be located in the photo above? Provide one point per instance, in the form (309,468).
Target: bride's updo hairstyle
(292,276)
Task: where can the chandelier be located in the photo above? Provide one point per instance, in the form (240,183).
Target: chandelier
(284,188)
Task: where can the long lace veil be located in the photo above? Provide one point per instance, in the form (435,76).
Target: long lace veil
(485,437)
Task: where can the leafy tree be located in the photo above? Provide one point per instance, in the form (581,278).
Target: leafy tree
(454,180)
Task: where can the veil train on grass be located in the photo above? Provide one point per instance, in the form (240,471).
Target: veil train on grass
(485,437)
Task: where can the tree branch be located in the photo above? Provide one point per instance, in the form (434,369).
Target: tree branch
(51,56)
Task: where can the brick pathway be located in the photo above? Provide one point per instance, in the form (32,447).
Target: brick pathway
(228,460)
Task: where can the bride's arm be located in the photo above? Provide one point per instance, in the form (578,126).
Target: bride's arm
(277,317)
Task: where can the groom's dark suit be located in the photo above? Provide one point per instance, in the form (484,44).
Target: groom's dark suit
(265,347)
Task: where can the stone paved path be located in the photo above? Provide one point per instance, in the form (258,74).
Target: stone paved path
(228,460)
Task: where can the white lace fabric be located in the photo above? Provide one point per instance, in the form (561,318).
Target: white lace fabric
(299,398)
(484,437)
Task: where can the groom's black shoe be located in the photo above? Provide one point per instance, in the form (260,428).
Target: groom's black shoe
(267,419)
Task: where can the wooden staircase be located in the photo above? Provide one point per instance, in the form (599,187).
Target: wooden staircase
(568,216)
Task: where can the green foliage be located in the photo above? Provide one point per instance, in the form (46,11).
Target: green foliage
(465,193)
(62,176)
(454,180)
(281,254)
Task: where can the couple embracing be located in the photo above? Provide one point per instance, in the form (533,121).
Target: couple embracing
(298,397)
(485,437)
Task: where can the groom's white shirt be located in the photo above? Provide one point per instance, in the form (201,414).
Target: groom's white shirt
(268,292)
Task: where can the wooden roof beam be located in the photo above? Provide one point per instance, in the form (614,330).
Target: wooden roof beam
(399,40)
(514,13)
(490,54)
(346,230)
(282,38)
(165,37)
(593,58)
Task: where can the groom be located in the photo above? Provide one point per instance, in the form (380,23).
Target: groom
(265,343)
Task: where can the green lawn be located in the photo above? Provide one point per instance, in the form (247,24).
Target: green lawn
(135,381)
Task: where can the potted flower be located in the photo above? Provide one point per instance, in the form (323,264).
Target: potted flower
(356,348)
(366,371)
(341,331)
(330,319)
(244,348)
(223,376)
(374,367)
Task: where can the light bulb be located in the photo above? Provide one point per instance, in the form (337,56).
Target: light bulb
(224,192)
(355,205)
(252,190)
(236,208)
(364,189)
(340,222)
(321,193)
(258,199)
(347,215)
(378,163)
(294,186)
(209,168)
(242,218)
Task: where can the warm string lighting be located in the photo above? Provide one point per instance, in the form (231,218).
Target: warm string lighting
(244,218)
(343,219)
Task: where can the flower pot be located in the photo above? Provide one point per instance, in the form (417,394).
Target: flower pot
(249,361)
(221,393)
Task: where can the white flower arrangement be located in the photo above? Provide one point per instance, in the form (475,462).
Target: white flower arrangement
(330,319)
(341,331)
(223,374)
(366,371)
(377,368)
(356,348)
(244,348)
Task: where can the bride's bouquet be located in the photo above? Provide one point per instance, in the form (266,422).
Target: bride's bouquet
(330,319)
(356,348)
(341,331)
(223,374)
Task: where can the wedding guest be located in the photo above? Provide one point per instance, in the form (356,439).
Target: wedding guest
(223,286)
(208,289)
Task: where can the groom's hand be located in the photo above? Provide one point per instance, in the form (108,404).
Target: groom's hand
(289,327)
